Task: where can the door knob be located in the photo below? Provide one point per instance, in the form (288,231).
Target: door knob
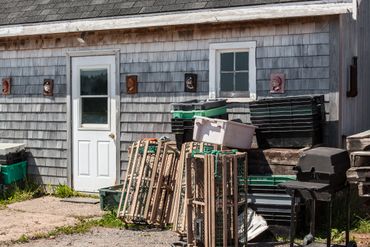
(112,135)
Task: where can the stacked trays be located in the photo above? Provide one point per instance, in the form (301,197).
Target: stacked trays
(183,114)
(273,203)
(13,164)
(290,122)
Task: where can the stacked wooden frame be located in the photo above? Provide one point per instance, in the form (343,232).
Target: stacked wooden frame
(162,184)
(215,198)
(178,216)
(149,183)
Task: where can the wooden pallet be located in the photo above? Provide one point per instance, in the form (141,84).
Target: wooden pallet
(215,196)
(358,174)
(364,189)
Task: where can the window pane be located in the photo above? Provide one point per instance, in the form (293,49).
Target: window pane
(242,61)
(227,61)
(94,82)
(227,82)
(241,81)
(94,111)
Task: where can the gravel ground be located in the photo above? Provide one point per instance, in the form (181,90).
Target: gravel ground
(41,215)
(100,237)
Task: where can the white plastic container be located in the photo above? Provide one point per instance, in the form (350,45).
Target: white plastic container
(6,148)
(222,132)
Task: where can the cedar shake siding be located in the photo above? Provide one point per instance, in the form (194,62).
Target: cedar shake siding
(300,48)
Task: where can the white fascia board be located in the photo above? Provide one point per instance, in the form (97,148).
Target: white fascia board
(250,13)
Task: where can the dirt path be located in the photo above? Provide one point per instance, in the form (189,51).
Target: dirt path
(100,237)
(41,216)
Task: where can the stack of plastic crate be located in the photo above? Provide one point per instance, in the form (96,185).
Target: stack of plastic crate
(183,114)
(289,122)
(13,164)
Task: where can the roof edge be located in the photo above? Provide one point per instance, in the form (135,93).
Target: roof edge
(250,13)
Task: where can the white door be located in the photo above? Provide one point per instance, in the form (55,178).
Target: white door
(94,122)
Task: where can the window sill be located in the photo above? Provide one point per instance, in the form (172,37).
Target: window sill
(239,100)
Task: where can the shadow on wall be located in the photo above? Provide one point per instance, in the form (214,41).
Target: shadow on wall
(33,171)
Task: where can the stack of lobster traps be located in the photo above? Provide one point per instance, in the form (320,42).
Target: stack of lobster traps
(215,198)
(178,216)
(200,191)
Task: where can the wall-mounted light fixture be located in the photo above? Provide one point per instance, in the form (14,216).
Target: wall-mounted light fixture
(277,83)
(6,86)
(82,38)
(190,82)
(131,84)
(48,87)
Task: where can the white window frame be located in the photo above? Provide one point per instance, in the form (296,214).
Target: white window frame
(215,51)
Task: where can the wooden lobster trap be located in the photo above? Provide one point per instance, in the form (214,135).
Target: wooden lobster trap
(149,183)
(216,192)
(178,215)
(162,184)
(135,192)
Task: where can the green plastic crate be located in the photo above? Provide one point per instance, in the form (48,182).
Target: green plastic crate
(272,180)
(110,197)
(14,172)
(201,113)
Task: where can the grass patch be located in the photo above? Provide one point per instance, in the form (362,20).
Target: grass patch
(108,220)
(362,225)
(64,191)
(23,239)
(20,192)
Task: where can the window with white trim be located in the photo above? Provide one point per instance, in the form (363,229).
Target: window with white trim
(232,71)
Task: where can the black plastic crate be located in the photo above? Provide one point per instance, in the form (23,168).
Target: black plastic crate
(178,124)
(312,119)
(198,105)
(288,108)
(288,101)
(12,158)
(288,139)
(289,128)
(275,206)
(185,136)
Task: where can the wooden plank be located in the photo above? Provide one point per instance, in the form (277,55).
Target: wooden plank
(129,168)
(206,174)
(131,178)
(234,176)
(188,201)
(212,206)
(224,201)
(133,206)
(155,166)
(158,191)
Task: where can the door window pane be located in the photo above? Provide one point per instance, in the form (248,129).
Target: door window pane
(94,82)
(241,81)
(227,82)
(227,61)
(241,61)
(94,110)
